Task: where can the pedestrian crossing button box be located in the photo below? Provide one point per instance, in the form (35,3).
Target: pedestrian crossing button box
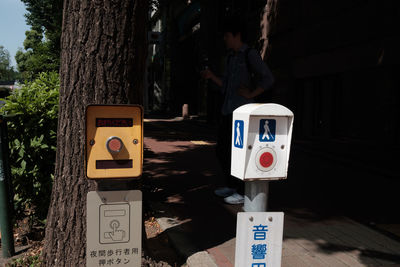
(114,141)
(261,137)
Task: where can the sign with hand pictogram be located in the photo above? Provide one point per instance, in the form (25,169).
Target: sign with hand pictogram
(114,228)
(114,223)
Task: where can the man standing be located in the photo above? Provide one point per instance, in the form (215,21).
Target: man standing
(246,76)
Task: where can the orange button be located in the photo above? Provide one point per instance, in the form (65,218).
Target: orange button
(266,159)
(114,144)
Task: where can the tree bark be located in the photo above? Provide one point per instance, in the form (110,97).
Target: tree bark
(267,24)
(99,65)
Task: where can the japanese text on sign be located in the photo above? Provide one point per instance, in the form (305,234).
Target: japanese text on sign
(259,239)
(259,249)
(111,257)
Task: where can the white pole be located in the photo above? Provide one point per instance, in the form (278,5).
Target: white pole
(256,196)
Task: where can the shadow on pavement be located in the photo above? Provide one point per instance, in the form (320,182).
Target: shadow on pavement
(180,176)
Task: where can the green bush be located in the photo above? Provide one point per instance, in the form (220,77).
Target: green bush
(31,113)
(29,260)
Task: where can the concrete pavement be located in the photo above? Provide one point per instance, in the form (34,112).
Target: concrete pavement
(181,172)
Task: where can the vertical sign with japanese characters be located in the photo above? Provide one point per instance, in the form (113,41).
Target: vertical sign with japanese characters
(114,228)
(259,239)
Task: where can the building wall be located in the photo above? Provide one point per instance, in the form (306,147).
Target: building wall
(337,66)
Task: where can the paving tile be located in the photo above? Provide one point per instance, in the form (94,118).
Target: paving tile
(312,260)
(373,246)
(219,257)
(292,261)
(349,240)
(228,249)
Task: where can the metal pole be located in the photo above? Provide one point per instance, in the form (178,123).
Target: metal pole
(256,196)
(7,239)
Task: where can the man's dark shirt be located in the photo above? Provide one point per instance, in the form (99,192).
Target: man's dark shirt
(238,74)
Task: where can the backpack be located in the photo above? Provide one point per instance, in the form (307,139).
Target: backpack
(249,68)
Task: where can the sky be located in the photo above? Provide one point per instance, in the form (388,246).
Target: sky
(12,26)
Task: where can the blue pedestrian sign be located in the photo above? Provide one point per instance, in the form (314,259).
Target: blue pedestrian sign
(267,130)
(238,133)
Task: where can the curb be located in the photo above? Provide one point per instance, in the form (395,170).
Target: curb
(201,259)
(185,248)
(183,245)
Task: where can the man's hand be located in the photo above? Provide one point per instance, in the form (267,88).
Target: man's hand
(245,92)
(206,74)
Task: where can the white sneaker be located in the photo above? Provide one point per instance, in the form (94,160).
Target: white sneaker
(234,199)
(224,191)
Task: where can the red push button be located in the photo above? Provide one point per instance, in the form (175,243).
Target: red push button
(266,159)
(114,145)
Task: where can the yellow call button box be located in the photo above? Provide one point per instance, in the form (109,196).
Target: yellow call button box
(114,141)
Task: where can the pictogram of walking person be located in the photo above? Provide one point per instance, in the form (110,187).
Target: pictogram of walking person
(238,140)
(267,131)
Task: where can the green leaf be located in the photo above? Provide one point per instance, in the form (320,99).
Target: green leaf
(23,165)
(21,152)
(32,112)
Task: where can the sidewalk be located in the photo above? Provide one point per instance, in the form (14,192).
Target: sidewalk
(181,172)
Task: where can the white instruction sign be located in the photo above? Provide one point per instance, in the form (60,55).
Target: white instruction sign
(114,228)
(259,239)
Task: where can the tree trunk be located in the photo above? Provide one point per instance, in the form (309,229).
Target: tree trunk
(98,66)
(267,26)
